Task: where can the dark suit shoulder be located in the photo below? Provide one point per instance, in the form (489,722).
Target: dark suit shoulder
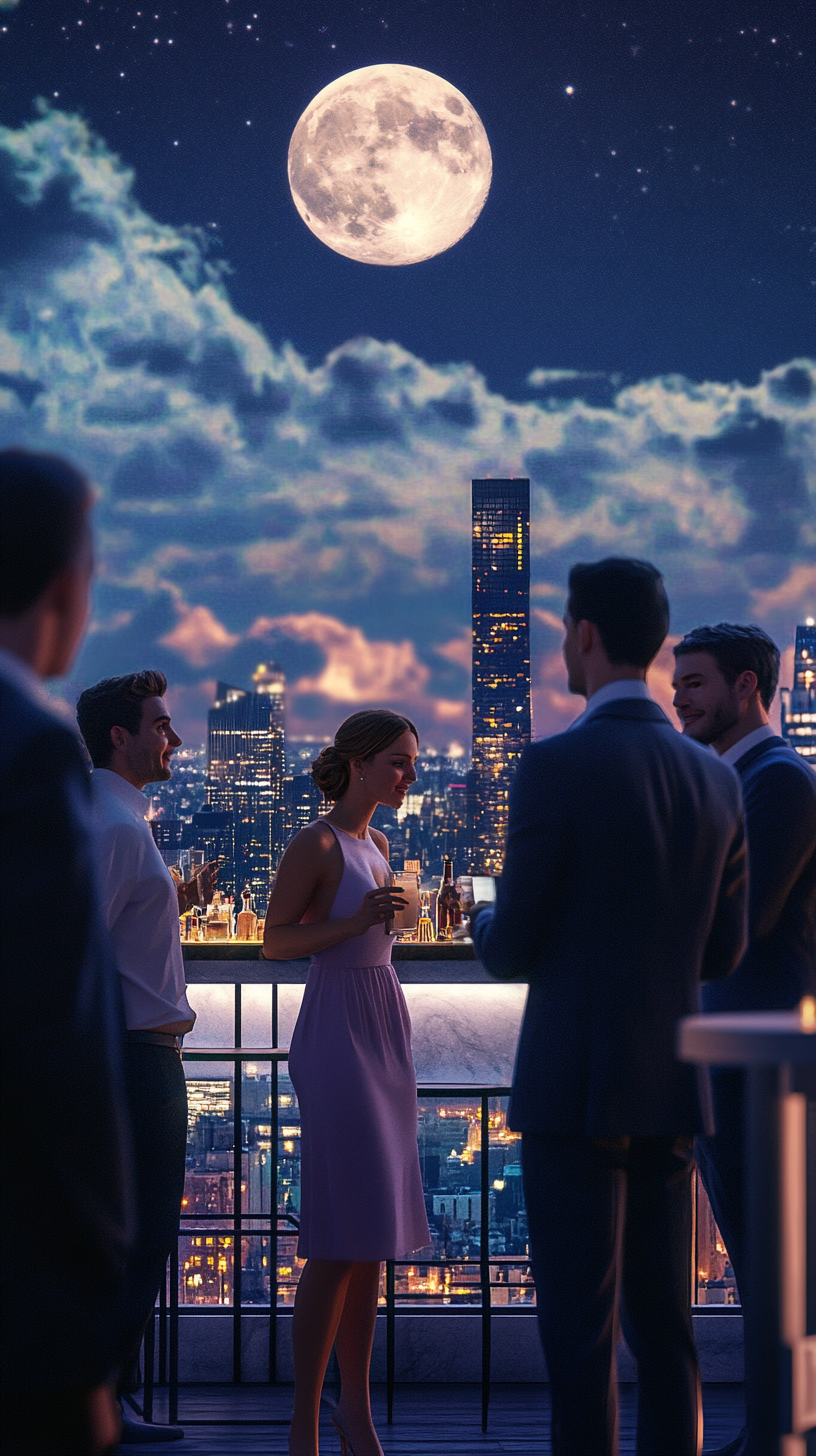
(28,729)
(775,757)
(608,734)
(781,790)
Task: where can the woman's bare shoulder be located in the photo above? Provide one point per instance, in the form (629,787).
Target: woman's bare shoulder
(381,842)
(313,837)
(313,843)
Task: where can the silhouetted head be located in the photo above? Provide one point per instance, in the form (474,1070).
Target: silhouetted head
(46,558)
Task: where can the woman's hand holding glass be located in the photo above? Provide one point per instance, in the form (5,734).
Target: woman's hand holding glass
(378,907)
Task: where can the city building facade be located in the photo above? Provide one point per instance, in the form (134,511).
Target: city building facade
(501,660)
(799,701)
(302,803)
(245,774)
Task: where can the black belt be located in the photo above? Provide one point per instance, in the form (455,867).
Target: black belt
(157,1038)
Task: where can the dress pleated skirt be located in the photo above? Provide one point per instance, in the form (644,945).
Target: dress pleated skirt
(351,1066)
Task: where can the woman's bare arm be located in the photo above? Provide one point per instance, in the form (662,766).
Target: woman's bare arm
(304,866)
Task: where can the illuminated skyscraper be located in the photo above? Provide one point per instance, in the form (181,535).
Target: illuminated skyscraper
(799,702)
(302,803)
(501,659)
(167,834)
(245,759)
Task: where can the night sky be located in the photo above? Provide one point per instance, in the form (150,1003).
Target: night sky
(284,438)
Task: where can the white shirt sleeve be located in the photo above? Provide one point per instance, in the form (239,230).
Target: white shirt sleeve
(119,856)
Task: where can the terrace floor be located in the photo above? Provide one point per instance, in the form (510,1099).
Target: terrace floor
(429,1420)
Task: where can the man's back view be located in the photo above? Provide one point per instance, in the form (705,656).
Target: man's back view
(67,1216)
(623,886)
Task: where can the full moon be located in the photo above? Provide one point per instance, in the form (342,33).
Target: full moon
(389,165)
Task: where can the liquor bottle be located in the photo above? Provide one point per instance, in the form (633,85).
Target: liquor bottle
(218,926)
(425,930)
(444,925)
(247,919)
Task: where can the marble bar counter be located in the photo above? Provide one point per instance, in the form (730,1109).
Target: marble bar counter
(465,1025)
(208,962)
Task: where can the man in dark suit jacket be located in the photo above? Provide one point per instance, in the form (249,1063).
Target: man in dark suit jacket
(623,886)
(725,680)
(66,1205)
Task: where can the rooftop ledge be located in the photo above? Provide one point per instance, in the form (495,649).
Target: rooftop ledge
(237,960)
(249,950)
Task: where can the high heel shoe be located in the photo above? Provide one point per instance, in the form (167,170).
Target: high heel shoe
(345,1448)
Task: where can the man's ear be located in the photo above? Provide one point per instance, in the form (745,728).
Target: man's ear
(746,685)
(587,634)
(119,736)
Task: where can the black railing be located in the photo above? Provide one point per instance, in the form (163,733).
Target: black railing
(244,1222)
(162,1337)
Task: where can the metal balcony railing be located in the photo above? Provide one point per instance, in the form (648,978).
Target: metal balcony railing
(244,1222)
(162,1335)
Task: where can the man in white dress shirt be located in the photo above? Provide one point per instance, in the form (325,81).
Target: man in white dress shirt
(127,729)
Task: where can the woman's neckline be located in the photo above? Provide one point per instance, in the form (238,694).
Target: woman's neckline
(349,835)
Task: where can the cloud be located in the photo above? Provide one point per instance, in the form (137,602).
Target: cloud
(237,482)
(355,670)
(459,650)
(358,672)
(795,596)
(199,637)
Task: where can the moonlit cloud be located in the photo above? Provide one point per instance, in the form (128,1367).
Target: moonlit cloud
(198,636)
(238,484)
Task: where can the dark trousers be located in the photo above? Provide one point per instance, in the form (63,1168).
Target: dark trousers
(157,1099)
(721,1160)
(611,1217)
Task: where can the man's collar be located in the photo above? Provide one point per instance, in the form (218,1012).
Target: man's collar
(113,783)
(25,680)
(744,745)
(629,687)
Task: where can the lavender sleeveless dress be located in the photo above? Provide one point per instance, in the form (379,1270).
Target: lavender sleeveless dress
(351,1067)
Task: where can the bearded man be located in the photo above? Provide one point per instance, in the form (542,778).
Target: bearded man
(725,680)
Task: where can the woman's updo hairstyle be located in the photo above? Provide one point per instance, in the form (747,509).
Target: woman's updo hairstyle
(361,736)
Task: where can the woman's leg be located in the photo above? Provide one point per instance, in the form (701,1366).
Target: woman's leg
(353,1343)
(318,1307)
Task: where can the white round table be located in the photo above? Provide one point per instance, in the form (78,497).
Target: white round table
(774,1049)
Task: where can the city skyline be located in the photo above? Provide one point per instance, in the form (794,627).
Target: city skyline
(449,1141)
(442,816)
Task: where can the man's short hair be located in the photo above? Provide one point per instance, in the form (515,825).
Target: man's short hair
(737,649)
(116,702)
(626,600)
(43,501)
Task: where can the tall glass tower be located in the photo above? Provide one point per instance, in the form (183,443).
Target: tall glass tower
(501,659)
(245,765)
(799,702)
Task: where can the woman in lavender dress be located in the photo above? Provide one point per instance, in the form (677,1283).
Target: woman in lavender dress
(351,1066)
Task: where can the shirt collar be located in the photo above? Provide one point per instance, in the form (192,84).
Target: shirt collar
(26,681)
(113,783)
(737,750)
(629,687)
